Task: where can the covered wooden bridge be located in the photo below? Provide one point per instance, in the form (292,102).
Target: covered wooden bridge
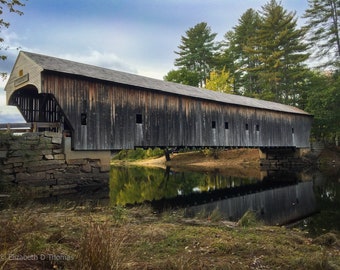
(103,109)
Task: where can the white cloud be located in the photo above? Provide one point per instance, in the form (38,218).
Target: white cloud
(101,59)
(8,114)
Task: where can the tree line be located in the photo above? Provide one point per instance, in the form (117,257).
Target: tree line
(268,56)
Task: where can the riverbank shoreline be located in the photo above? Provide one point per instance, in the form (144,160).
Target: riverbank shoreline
(226,159)
(92,235)
(245,157)
(69,236)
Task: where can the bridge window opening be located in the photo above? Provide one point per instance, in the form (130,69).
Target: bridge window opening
(257,127)
(247,127)
(213,124)
(83,119)
(139,118)
(292,130)
(226,125)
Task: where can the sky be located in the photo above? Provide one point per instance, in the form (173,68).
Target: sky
(135,36)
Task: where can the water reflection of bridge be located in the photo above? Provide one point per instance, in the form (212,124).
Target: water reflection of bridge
(277,198)
(278,205)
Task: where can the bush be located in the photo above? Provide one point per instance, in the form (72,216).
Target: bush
(139,153)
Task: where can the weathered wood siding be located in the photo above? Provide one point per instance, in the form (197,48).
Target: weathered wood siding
(25,73)
(104,115)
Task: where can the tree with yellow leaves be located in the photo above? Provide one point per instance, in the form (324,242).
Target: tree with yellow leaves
(220,81)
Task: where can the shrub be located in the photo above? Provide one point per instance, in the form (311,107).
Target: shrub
(139,153)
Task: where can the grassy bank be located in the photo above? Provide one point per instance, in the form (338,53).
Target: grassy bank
(94,237)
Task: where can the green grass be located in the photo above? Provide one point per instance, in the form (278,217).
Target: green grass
(95,237)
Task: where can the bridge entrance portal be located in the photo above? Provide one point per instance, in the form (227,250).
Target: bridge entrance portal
(42,109)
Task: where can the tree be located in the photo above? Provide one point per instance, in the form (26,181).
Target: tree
(278,48)
(183,76)
(220,81)
(323,27)
(196,51)
(237,59)
(323,99)
(10,6)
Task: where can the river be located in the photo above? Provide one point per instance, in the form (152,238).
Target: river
(308,199)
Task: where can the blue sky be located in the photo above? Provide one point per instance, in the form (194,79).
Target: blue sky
(136,36)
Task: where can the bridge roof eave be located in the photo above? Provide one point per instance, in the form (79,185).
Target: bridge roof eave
(49,63)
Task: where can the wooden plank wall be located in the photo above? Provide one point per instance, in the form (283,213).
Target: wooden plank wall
(106,116)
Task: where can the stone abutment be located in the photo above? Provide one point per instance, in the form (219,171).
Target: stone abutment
(46,160)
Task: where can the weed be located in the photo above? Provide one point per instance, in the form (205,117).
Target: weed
(172,216)
(206,151)
(101,248)
(136,238)
(327,239)
(249,219)
(184,262)
(15,225)
(34,243)
(202,214)
(216,215)
(119,214)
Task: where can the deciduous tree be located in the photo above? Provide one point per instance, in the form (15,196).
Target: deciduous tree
(7,6)
(220,81)
(183,76)
(323,99)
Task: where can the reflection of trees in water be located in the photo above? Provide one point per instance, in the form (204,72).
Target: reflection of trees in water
(129,185)
(327,191)
(278,198)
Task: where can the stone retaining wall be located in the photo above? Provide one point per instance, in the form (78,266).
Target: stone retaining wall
(38,160)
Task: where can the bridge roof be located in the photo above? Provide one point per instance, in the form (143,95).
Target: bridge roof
(49,63)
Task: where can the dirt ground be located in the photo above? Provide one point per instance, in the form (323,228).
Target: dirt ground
(237,162)
(242,162)
(219,159)
(226,159)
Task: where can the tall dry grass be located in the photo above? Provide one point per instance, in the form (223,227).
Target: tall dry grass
(101,248)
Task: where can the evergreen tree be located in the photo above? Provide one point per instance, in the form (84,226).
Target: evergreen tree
(278,48)
(323,26)
(196,51)
(240,61)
